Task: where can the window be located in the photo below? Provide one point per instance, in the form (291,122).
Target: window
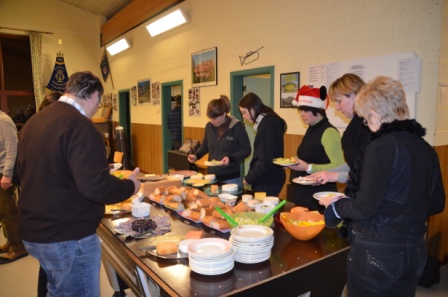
(16,80)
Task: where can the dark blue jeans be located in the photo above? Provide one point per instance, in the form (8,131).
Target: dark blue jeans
(72,267)
(378,269)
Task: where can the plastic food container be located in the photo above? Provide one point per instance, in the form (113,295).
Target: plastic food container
(228,199)
(247,197)
(271,200)
(263,207)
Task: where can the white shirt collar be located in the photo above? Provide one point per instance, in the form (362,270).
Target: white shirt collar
(72,102)
(258,120)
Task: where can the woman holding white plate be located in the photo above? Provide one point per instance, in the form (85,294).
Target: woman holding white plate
(320,148)
(226,142)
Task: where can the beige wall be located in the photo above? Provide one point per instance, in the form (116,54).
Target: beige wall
(78,30)
(294,34)
(441,133)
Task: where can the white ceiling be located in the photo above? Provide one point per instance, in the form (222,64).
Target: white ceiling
(106,8)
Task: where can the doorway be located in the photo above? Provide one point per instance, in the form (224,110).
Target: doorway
(170,91)
(124,120)
(259,81)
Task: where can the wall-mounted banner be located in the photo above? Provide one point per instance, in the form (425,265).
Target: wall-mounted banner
(105,68)
(59,77)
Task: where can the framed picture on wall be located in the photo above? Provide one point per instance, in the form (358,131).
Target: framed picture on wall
(134,95)
(204,67)
(155,91)
(289,86)
(144,91)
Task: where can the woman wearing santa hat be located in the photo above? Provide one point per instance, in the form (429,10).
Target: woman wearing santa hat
(320,148)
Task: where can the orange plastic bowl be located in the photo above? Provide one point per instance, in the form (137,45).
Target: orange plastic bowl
(290,220)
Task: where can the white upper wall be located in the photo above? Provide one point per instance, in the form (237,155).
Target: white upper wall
(294,34)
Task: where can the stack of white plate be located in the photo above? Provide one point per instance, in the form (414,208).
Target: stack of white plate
(253,243)
(211,256)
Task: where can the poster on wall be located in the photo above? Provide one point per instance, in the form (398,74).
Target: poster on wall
(194,102)
(115,101)
(134,95)
(144,91)
(289,87)
(204,68)
(107,100)
(155,91)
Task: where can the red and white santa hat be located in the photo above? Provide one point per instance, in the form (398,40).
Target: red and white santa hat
(312,97)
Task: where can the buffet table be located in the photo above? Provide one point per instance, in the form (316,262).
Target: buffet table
(295,268)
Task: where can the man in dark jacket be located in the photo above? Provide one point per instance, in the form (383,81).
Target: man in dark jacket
(65,182)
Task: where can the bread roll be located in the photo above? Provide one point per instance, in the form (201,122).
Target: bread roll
(200,194)
(214,189)
(174,205)
(192,205)
(160,191)
(166,247)
(195,215)
(208,220)
(241,207)
(218,215)
(206,212)
(158,198)
(176,198)
(215,199)
(203,202)
(190,196)
(220,224)
(219,204)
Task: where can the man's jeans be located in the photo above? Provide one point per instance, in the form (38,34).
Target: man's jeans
(72,267)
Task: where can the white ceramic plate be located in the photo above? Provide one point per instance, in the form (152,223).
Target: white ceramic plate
(251,232)
(209,247)
(322,195)
(116,166)
(303,181)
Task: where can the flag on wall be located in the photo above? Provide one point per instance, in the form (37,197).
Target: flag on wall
(59,77)
(105,68)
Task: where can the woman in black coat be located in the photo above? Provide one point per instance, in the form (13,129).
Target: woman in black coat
(393,187)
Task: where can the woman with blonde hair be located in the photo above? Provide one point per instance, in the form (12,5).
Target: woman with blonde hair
(343,92)
(393,187)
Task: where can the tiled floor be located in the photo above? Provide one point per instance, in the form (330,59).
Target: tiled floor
(19,279)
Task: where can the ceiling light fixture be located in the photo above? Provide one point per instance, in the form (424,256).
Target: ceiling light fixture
(168,22)
(118,47)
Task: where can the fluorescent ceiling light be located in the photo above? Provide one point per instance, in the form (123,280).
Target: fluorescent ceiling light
(168,22)
(117,47)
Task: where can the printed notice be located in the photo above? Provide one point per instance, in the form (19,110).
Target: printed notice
(317,75)
(409,74)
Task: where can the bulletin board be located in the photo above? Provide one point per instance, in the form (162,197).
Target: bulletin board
(405,67)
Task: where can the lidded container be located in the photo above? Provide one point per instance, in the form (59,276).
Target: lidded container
(140,209)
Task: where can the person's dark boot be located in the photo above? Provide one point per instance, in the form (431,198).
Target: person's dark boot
(4,248)
(13,255)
